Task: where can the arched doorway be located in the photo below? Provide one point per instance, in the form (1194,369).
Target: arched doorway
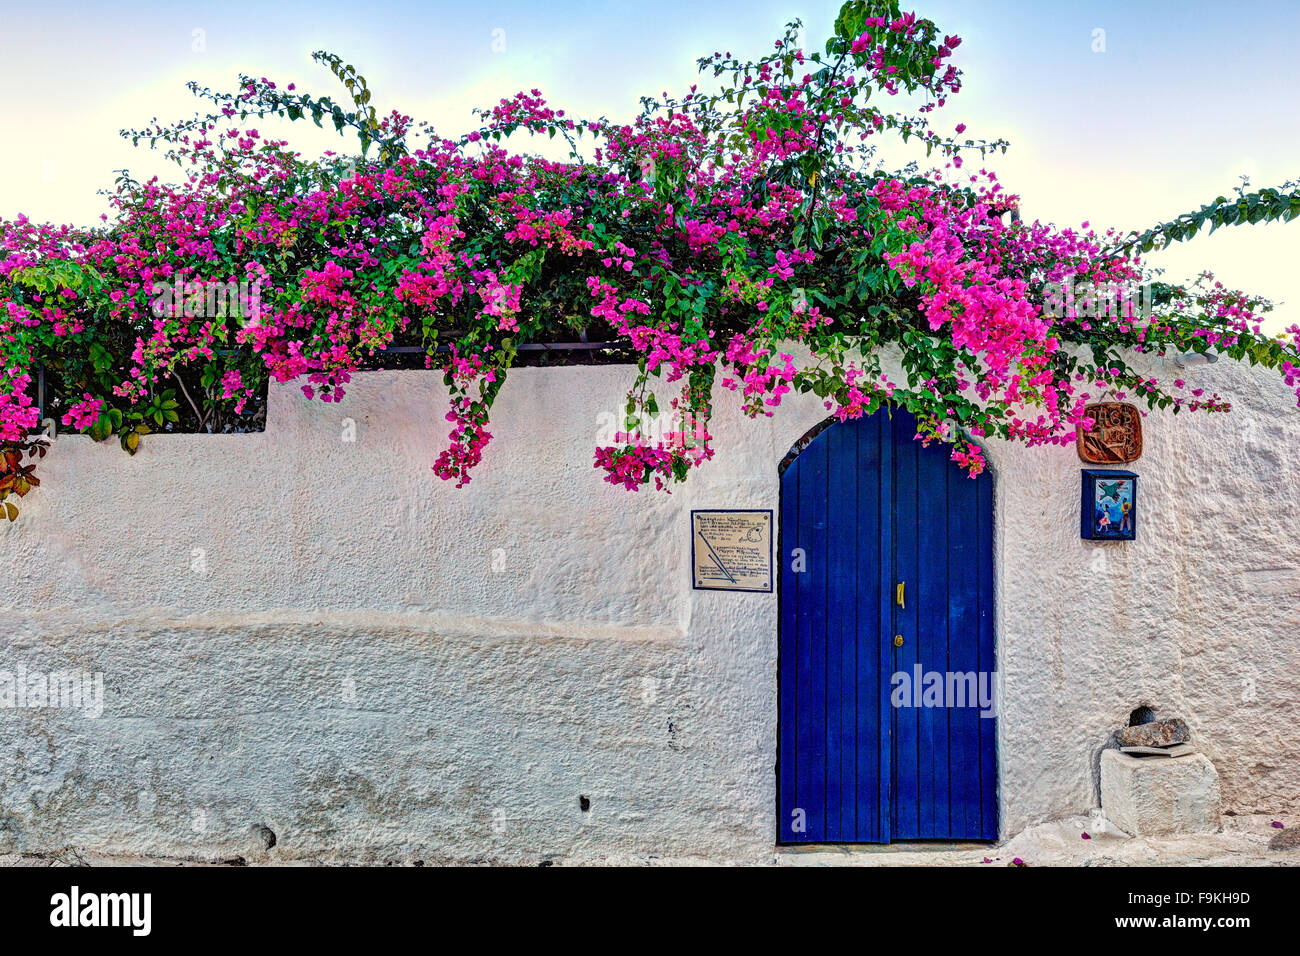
(887,676)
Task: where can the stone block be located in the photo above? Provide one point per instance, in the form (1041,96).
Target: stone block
(1146,796)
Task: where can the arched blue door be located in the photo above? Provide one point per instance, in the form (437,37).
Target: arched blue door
(887,673)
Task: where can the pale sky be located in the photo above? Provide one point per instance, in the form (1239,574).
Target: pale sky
(1185,97)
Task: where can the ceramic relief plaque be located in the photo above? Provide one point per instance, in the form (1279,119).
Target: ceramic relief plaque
(1115,437)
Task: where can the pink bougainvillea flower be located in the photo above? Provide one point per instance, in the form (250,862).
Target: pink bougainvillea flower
(757,248)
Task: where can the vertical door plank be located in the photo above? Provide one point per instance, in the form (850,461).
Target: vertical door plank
(841,464)
(884,636)
(963,654)
(788,750)
(812,495)
(930,593)
(803,649)
(988,661)
(906,499)
(845,514)
(872,740)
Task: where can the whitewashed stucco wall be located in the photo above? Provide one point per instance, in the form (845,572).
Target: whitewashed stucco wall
(319,637)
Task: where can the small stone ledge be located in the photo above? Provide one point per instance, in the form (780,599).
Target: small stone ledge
(1151,796)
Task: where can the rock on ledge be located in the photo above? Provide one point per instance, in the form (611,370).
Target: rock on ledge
(1158,733)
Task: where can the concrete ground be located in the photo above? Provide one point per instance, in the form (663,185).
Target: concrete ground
(1243,841)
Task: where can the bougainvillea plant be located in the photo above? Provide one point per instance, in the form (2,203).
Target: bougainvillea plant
(740,237)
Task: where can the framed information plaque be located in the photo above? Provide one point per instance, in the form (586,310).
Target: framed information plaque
(731,550)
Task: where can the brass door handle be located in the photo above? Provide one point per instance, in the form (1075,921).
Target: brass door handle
(898,640)
(898,594)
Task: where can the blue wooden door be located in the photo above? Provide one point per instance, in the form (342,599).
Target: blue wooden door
(886,716)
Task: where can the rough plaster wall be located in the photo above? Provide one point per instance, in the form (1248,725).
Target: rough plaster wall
(1197,618)
(320,637)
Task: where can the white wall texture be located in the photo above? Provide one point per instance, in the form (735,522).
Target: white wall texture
(321,638)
